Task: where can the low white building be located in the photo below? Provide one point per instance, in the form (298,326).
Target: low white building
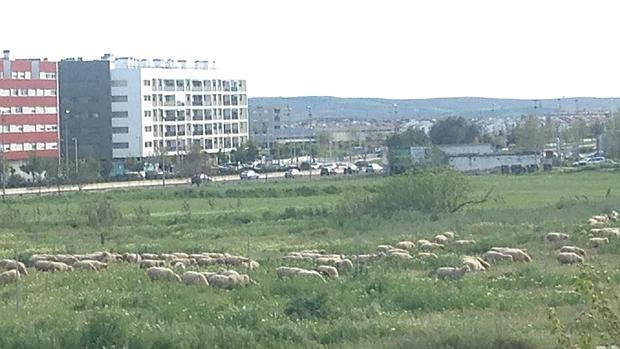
(174,105)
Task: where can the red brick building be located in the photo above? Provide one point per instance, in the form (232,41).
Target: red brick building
(28,108)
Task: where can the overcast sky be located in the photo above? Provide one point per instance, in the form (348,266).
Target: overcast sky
(347,48)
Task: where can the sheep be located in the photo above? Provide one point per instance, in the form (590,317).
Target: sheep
(475,263)
(344,264)
(400,255)
(605,232)
(67,259)
(166,256)
(52,266)
(600,218)
(518,255)
(159,273)
(235,260)
(151,256)
(574,249)
(104,256)
(9,264)
(422,242)
(449,234)
(494,256)
(327,260)
(39,257)
(184,261)
(594,223)
(461,243)
(396,250)
(9,276)
(194,278)
(384,248)
(132,258)
(149,263)
(440,239)
(215,255)
(310,274)
(430,246)
(613,215)
(405,245)
(178,265)
(287,271)
(553,236)
(363,258)
(569,258)
(427,255)
(250,265)
(221,281)
(204,261)
(327,270)
(180,255)
(598,242)
(90,265)
(450,273)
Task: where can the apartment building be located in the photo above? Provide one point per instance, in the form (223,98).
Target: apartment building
(173,106)
(85,106)
(28,109)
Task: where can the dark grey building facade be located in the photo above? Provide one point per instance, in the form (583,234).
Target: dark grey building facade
(85,110)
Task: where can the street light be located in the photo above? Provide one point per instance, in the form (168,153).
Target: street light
(66,127)
(75,145)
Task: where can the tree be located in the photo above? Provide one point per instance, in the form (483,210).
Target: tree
(529,136)
(245,153)
(454,131)
(411,137)
(195,161)
(611,137)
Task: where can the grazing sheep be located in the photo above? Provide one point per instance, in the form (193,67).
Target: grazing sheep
(422,242)
(605,232)
(178,265)
(184,261)
(461,243)
(149,263)
(384,248)
(363,258)
(204,261)
(569,258)
(600,218)
(67,259)
(440,239)
(613,215)
(400,255)
(250,265)
(180,255)
(221,281)
(427,255)
(475,263)
(450,273)
(598,242)
(8,277)
(235,260)
(167,257)
(150,256)
(494,256)
(595,223)
(9,264)
(344,264)
(518,255)
(194,278)
(449,234)
(287,271)
(310,274)
(573,249)
(215,255)
(39,257)
(327,270)
(132,258)
(158,273)
(553,236)
(430,246)
(405,245)
(52,266)
(395,250)
(327,260)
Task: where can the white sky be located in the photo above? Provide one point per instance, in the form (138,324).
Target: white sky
(347,48)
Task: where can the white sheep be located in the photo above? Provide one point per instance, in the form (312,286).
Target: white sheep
(449,234)
(159,273)
(149,263)
(194,278)
(63,258)
(405,245)
(344,264)
(430,246)
(287,271)
(574,249)
(475,263)
(440,239)
(598,242)
(10,264)
(132,258)
(312,274)
(396,250)
(427,255)
(451,273)
(461,243)
(400,255)
(554,236)
(9,276)
(569,258)
(221,281)
(384,248)
(518,255)
(605,232)
(90,265)
(327,270)
(52,266)
(494,256)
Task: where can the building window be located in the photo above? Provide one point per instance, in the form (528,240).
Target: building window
(118,83)
(121,145)
(147,82)
(120,114)
(120,130)
(148,128)
(147,98)
(119,99)
(148,144)
(147,114)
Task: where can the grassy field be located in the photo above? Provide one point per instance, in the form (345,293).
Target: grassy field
(387,304)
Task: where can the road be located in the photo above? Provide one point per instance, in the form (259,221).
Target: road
(139,184)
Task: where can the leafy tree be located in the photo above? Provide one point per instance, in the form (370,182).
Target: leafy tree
(411,137)
(245,153)
(195,161)
(454,131)
(529,136)
(611,137)
(89,170)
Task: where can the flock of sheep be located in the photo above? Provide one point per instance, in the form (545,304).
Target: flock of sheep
(167,266)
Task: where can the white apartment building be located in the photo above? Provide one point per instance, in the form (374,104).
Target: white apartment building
(174,105)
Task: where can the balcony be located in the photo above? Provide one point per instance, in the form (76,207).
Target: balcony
(170,134)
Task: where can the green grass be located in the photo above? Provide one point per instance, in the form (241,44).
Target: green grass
(386,304)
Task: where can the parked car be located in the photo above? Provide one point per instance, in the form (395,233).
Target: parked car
(327,171)
(292,173)
(248,174)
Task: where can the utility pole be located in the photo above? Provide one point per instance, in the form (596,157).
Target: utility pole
(66,122)
(75,149)
(163,168)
